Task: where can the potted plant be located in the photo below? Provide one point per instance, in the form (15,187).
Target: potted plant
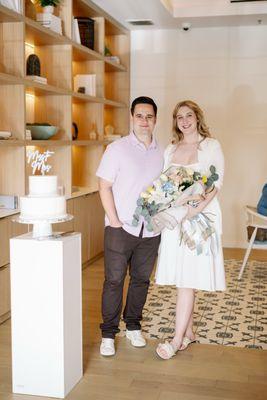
(48,5)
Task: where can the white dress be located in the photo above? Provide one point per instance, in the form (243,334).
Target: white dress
(178,265)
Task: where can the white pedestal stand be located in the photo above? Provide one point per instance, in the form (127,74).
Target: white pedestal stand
(46,314)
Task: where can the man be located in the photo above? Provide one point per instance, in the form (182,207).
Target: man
(127,167)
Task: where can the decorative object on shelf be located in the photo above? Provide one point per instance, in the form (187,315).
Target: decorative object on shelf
(109,130)
(42,131)
(111,138)
(50,21)
(81,89)
(109,56)
(86,29)
(47,18)
(7,201)
(36,78)
(5,135)
(87,81)
(115,59)
(48,5)
(109,133)
(75,131)
(33,65)
(93,132)
(107,52)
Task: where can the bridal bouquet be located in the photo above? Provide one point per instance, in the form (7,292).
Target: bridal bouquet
(163,205)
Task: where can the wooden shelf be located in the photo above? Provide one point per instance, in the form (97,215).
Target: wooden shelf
(23,101)
(111,66)
(90,142)
(112,103)
(11,142)
(47,142)
(40,89)
(7,79)
(83,191)
(84,98)
(8,15)
(38,35)
(82,53)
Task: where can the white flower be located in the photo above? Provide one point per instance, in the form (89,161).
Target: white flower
(189,171)
(163,177)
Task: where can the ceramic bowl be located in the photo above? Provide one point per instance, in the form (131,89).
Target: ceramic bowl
(42,132)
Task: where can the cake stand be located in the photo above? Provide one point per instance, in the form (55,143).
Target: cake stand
(42,227)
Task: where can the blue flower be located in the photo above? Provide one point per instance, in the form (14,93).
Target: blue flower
(167,187)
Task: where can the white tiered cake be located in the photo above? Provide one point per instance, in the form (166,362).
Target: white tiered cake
(43,201)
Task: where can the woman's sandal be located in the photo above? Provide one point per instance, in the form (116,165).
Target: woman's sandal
(168,351)
(186,342)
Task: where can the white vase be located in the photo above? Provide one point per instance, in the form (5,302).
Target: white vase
(48,9)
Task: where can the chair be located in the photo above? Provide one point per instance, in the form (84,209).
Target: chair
(255,220)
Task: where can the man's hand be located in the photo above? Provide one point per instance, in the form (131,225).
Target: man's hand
(116,224)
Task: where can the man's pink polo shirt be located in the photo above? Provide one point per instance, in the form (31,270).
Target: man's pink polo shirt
(131,167)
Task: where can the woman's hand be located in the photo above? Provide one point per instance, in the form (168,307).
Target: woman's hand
(192,211)
(206,199)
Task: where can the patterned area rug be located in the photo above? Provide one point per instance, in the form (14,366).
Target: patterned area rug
(236,317)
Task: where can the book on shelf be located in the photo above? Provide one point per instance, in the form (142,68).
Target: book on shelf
(28,134)
(14,5)
(112,137)
(86,30)
(86,82)
(5,134)
(75,31)
(50,21)
(7,201)
(36,78)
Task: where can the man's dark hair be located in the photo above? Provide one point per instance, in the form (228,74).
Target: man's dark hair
(144,100)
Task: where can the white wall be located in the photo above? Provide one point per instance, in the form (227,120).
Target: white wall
(225,71)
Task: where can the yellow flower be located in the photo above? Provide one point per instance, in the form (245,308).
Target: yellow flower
(150,190)
(145,195)
(204,179)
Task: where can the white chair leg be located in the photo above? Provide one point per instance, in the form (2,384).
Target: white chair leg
(247,253)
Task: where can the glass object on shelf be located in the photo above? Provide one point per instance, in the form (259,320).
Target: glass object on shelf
(93,133)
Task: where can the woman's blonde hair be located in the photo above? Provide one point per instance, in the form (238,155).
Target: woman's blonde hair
(202,128)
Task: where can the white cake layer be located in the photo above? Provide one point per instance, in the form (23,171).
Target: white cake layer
(42,207)
(42,185)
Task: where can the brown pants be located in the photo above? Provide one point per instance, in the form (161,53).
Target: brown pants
(122,249)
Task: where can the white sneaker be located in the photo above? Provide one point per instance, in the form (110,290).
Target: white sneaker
(107,347)
(136,338)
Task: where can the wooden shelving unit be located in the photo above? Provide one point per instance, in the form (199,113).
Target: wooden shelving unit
(25,101)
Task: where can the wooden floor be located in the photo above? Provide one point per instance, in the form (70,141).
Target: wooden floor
(203,372)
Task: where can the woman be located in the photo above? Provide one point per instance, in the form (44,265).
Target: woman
(177,264)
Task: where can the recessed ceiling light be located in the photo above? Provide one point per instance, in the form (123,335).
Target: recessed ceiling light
(140,22)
